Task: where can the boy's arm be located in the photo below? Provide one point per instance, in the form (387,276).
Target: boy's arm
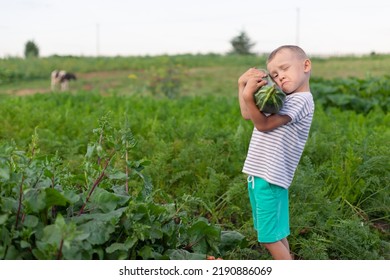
(260,120)
(242,81)
(243,107)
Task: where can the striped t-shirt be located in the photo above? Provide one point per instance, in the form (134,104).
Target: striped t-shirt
(274,155)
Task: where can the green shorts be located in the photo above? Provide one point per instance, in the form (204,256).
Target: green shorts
(269,210)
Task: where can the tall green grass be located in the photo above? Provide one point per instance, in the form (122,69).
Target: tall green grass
(184,114)
(197,144)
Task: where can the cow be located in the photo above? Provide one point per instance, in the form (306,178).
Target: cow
(60,80)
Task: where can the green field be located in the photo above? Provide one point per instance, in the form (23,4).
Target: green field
(142,159)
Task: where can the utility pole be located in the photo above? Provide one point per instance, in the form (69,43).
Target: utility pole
(97,40)
(297,27)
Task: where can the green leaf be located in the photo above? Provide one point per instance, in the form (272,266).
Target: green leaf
(71,196)
(116,247)
(54,197)
(148,253)
(5,236)
(90,150)
(60,222)
(156,231)
(181,254)
(204,236)
(12,254)
(129,243)
(105,200)
(24,244)
(112,217)
(3,218)
(30,221)
(80,236)
(9,204)
(35,200)
(231,240)
(52,235)
(100,231)
(4,171)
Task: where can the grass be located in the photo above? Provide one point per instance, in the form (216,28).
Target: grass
(203,74)
(345,67)
(197,142)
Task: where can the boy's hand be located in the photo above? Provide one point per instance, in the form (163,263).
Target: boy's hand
(245,86)
(252,86)
(251,73)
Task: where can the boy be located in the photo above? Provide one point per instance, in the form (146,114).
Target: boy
(277,143)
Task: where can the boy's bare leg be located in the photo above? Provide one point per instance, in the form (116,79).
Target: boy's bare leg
(285,242)
(279,250)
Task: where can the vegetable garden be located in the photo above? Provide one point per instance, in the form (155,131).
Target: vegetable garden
(142,159)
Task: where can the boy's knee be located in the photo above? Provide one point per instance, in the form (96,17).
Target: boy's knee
(278,250)
(277,245)
(268,245)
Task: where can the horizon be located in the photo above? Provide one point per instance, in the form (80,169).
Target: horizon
(311,55)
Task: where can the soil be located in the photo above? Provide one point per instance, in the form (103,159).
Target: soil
(89,79)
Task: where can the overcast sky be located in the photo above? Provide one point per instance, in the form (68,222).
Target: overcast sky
(153,27)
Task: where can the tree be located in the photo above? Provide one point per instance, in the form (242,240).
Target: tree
(31,49)
(242,44)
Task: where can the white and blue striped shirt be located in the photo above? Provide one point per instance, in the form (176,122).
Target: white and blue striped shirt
(274,155)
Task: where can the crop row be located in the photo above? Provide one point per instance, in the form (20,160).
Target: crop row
(189,151)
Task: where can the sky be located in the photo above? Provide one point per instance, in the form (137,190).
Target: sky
(157,27)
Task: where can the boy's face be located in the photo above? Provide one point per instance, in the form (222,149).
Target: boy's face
(290,72)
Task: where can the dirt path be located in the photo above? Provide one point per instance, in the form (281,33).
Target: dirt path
(28,91)
(87,82)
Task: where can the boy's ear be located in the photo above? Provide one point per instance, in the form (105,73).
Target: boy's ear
(307,65)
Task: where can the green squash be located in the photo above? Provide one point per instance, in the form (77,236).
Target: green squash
(269,99)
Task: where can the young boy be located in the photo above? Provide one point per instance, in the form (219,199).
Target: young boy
(277,143)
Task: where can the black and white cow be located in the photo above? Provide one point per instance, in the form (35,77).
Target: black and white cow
(60,80)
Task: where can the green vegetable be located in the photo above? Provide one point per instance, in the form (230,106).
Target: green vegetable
(269,99)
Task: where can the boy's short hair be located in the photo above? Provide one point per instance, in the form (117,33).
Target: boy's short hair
(295,49)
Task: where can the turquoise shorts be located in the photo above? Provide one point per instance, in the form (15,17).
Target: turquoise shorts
(269,210)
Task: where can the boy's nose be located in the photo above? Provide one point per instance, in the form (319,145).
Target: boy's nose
(281,77)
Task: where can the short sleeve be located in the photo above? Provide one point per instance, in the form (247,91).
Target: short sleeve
(297,106)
